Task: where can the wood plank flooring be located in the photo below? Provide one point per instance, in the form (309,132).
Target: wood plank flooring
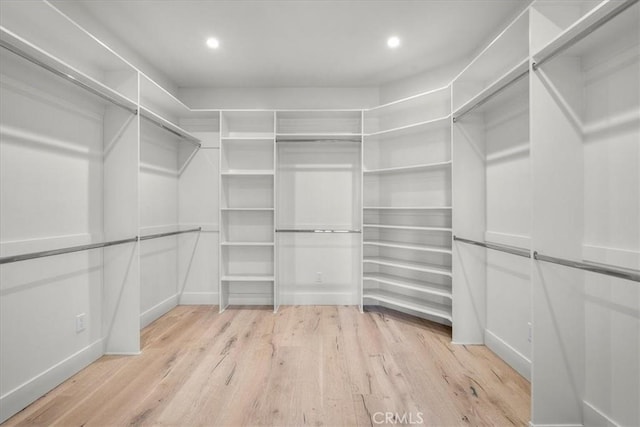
(305,365)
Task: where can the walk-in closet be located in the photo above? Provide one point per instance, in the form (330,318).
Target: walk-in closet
(341,213)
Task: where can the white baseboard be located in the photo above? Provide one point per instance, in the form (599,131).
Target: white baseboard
(593,416)
(20,397)
(198,298)
(158,310)
(319,298)
(510,355)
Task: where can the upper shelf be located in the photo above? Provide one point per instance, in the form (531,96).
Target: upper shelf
(412,128)
(168,126)
(584,29)
(247,125)
(318,137)
(34,54)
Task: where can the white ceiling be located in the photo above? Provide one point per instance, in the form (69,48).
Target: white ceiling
(295,43)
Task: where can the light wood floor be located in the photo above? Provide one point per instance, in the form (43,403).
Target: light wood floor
(308,365)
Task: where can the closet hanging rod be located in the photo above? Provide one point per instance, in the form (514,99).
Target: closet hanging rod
(490,96)
(170,233)
(68,77)
(584,33)
(502,248)
(609,270)
(42,254)
(187,138)
(312,230)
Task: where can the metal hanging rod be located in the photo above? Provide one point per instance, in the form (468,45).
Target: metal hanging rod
(502,248)
(170,233)
(585,32)
(180,135)
(311,230)
(65,76)
(608,270)
(490,96)
(42,254)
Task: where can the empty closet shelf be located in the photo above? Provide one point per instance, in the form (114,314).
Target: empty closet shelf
(318,137)
(408,265)
(170,127)
(407,227)
(408,169)
(410,284)
(410,246)
(409,303)
(245,209)
(246,278)
(408,208)
(39,57)
(412,127)
(265,172)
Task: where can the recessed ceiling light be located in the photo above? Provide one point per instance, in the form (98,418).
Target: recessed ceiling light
(213,43)
(393,42)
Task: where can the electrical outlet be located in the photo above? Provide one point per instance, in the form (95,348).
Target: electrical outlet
(81,322)
(319,277)
(530,337)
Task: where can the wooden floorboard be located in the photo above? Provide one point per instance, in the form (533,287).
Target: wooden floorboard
(305,365)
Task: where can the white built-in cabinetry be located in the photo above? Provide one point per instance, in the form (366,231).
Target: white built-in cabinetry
(407,205)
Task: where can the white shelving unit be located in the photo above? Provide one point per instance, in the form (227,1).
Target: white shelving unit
(407,205)
(585,138)
(247,214)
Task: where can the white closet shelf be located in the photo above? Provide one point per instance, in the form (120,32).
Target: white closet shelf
(398,300)
(407,227)
(246,209)
(317,136)
(408,265)
(263,172)
(247,278)
(247,244)
(408,169)
(168,126)
(34,54)
(515,73)
(411,128)
(410,284)
(399,102)
(408,208)
(248,138)
(156,98)
(409,246)
(580,29)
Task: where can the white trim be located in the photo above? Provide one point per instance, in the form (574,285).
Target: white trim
(510,355)
(516,240)
(198,298)
(20,397)
(594,416)
(624,258)
(158,310)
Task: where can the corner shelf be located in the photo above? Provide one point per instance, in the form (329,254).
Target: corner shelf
(407,265)
(408,227)
(412,127)
(424,307)
(408,208)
